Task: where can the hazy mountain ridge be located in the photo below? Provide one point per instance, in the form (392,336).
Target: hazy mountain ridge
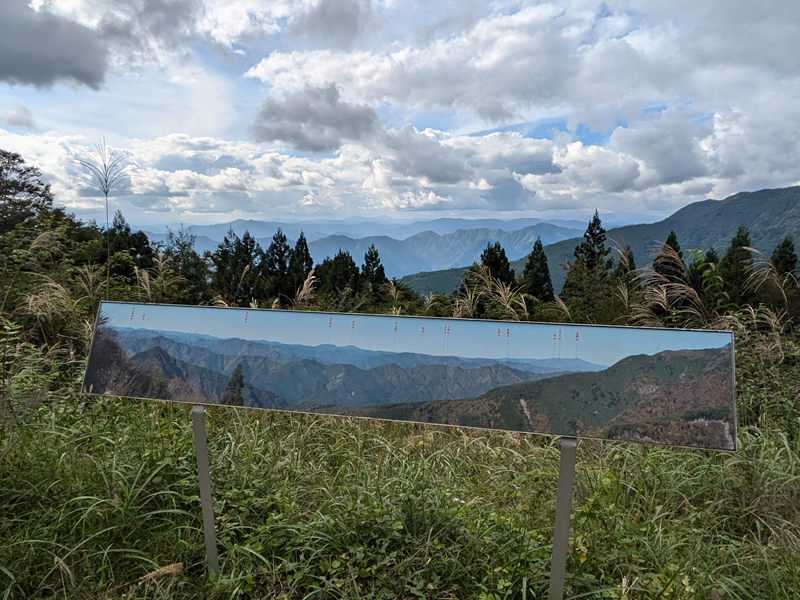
(203,382)
(428,250)
(679,397)
(420,251)
(769,215)
(356,227)
(154,373)
(180,343)
(274,384)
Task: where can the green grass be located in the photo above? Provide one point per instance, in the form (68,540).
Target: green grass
(97,494)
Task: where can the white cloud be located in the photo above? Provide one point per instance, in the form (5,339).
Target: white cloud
(313,119)
(18,116)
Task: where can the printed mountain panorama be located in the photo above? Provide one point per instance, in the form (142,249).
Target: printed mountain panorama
(680,398)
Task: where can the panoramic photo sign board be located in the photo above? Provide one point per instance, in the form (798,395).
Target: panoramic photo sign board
(658,386)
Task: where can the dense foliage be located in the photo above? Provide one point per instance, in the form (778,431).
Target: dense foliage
(98,497)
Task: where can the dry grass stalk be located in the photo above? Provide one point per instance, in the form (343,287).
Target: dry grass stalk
(762,271)
(466,304)
(669,298)
(155,284)
(394,291)
(559,310)
(305,292)
(172,569)
(90,282)
(49,242)
(519,300)
(506,295)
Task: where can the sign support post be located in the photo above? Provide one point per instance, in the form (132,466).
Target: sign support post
(566,476)
(201,448)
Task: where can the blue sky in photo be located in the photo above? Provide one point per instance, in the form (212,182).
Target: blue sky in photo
(466,339)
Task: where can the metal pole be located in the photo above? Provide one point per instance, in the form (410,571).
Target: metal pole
(199,429)
(566,476)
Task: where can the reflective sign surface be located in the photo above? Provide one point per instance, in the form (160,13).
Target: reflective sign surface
(662,386)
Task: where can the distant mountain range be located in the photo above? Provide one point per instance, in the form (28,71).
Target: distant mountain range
(426,250)
(194,349)
(197,368)
(357,228)
(769,214)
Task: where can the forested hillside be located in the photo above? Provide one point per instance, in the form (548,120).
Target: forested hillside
(770,215)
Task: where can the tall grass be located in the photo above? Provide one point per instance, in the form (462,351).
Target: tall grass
(98,499)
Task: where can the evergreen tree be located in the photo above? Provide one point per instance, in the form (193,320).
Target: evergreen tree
(276,267)
(128,249)
(494,257)
(703,277)
(665,264)
(536,274)
(784,258)
(185,262)
(238,274)
(592,250)
(587,289)
(625,271)
(373,275)
(233,390)
(338,273)
(300,263)
(734,268)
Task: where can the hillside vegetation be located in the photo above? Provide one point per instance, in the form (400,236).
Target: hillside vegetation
(99,496)
(770,215)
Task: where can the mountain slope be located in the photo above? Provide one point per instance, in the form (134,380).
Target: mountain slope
(197,383)
(428,250)
(307,380)
(222,354)
(769,214)
(674,397)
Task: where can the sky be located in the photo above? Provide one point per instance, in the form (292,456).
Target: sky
(325,109)
(467,339)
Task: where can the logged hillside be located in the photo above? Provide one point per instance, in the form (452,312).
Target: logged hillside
(769,215)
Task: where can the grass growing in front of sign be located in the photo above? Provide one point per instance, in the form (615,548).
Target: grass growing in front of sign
(98,499)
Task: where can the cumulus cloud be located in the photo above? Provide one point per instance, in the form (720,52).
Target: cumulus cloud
(41,48)
(18,117)
(314,119)
(335,23)
(145,32)
(599,63)
(420,155)
(476,71)
(669,144)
